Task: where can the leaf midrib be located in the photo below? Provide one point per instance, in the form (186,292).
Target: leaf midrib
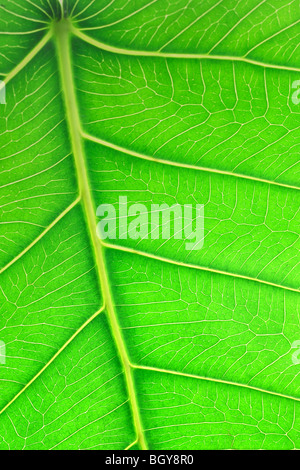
(62,32)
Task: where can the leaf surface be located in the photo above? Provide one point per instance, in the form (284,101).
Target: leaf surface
(142,343)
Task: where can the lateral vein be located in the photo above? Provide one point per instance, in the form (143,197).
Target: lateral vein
(42,234)
(27,58)
(195,266)
(173,55)
(53,358)
(210,379)
(183,165)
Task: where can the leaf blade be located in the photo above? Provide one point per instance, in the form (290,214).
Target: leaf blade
(200,344)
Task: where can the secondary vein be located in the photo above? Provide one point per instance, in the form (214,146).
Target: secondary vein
(195,266)
(41,235)
(28,58)
(53,358)
(184,165)
(174,55)
(214,380)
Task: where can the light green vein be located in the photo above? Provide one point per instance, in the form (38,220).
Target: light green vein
(131,445)
(174,55)
(210,379)
(27,58)
(62,35)
(53,358)
(183,165)
(13,13)
(22,33)
(42,234)
(195,266)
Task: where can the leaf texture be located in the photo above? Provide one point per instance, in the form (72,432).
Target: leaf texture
(136,344)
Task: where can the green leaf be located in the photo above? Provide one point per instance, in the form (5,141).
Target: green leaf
(141,343)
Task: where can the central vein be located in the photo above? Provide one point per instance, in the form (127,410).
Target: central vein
(62,35)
